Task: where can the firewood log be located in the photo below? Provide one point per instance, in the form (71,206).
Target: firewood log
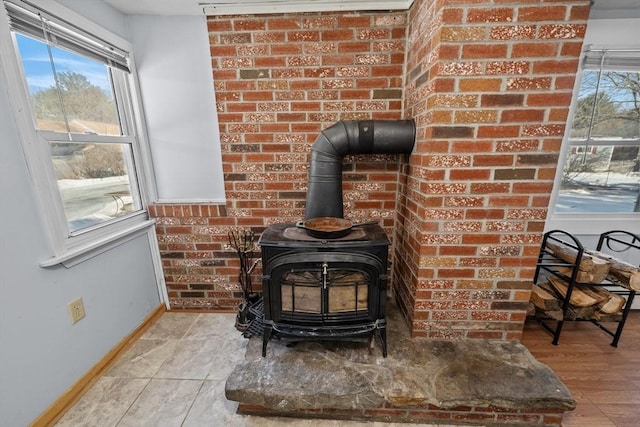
(612,304)
(627,274)
(544,300)
(593,269)
(574,313)
(531,309)
(604,317)
(551,314)
(581,277)
(578,298)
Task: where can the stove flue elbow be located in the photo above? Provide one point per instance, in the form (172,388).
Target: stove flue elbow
(324,195)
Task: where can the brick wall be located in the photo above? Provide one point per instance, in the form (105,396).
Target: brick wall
(200,271)
(489,86)
(279,80)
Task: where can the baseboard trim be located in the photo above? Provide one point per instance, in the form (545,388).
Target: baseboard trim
(58,408)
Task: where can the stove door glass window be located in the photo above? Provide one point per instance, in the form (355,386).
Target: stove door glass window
(332,291)
(348,291)
(302,292)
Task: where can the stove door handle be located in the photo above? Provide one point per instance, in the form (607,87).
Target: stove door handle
(325,266)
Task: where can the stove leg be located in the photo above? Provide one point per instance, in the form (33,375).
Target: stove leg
(266,336)
(383,340)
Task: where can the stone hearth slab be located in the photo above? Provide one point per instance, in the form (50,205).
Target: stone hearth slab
(339,377)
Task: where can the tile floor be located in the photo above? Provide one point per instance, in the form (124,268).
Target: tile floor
(174,375)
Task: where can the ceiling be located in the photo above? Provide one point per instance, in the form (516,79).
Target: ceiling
(600,8)
(211,7)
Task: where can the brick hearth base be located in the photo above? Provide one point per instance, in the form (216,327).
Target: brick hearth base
(423,414)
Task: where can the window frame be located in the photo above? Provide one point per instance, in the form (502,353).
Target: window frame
(587,223)
(70,248)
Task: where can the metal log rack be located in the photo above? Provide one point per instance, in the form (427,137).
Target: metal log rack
(549,264)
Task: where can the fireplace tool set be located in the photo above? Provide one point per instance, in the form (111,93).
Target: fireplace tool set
(243,241)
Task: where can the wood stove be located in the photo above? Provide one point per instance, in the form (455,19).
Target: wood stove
(331,288)
(324,289)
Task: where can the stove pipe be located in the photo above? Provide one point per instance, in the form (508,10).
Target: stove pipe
(324,195)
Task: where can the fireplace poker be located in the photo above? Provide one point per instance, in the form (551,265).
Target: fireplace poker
(243,243)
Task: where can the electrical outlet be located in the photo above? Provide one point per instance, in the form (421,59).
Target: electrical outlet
(76,310)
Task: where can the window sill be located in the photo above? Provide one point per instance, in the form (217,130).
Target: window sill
(76,255)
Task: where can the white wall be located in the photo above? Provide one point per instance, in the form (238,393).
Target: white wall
(98,11)
(41,353)
(620,32)
(176,81)
(174,66)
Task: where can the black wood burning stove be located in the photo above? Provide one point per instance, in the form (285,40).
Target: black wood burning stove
(332,288)
(324,289)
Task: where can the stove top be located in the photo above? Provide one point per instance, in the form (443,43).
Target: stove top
(295,233)
(290,235)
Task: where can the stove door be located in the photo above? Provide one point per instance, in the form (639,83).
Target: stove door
(320,289)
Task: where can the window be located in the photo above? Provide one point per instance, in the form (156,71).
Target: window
(83,126)
(601,172)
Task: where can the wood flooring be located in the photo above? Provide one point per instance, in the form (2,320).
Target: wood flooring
(604,380)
